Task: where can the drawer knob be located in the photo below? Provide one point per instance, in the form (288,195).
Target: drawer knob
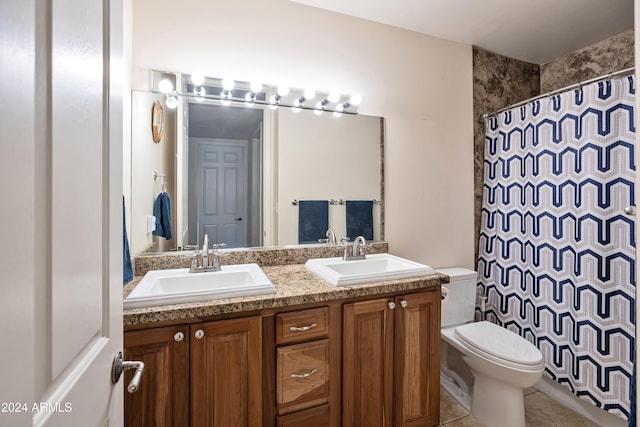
(199,334)
(305,375)
(404,304)
(392,305)
(179,336)
(302,328)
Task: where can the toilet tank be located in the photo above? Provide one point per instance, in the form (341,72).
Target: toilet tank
(459,305)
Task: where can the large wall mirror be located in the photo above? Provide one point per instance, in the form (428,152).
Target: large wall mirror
(236,172)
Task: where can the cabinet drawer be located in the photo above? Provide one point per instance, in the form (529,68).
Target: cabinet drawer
(314,417)
(303,373)
(301,325)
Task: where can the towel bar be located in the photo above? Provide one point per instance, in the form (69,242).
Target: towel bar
(294,202)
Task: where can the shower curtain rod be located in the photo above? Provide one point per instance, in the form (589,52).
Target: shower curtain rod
(561,90)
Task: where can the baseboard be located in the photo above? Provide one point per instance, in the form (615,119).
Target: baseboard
(582,407)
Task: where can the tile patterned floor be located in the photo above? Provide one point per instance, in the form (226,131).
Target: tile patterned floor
(540,411)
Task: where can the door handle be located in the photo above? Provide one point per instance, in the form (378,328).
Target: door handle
(120,365)
(239,219)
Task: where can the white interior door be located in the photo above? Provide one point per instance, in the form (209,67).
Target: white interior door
(64,324)
(220,191)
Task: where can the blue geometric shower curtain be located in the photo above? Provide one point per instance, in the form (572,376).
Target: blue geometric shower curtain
(557,251)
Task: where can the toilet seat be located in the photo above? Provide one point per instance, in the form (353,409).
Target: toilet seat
(500,345)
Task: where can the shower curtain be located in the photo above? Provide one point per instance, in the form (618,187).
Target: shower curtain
(557,251)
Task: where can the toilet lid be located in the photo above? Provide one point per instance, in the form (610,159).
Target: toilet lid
(499,342)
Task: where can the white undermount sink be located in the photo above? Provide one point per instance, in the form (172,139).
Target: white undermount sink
(374,268)
(161,287)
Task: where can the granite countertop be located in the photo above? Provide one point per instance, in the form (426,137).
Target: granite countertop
(294,284)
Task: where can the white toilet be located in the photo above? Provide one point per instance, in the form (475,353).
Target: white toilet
(484,366)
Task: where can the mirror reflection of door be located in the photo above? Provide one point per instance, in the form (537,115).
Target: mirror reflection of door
(224,162)
(218,175)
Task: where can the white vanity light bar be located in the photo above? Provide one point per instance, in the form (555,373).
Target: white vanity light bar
(229,91)
(275,96)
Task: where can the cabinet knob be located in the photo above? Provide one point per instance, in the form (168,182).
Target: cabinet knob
(179,336)
(199,334)
(391,305)
(404,304)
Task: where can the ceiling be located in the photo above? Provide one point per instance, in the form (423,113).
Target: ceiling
(536,31)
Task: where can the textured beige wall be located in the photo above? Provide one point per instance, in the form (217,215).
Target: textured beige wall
(421,85)
(315,154)
(148,157)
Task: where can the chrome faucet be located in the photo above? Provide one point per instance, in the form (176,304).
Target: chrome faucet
(205,252)
(215,266)
(358,249)
(331,238)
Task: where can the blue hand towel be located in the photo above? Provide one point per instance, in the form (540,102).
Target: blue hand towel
(360,219)
(313,220)
(162,212)
(126,254)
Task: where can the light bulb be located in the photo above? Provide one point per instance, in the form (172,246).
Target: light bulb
(200,92)
(296,103)
(255,87)
(355,99)
(249,99)
(309,94)
(171,102)
(197,79)
(228,84)
(225,102)
(319,105)
(333,96)
(165,86)
(283,90)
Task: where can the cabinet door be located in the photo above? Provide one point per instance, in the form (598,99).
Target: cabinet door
(226,373)
(367,364)
(417,358)
(163,397)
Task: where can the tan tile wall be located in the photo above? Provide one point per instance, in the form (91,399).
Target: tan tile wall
(613,54)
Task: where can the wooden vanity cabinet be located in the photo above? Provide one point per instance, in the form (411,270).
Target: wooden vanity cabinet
(391,361)
(204,374)
(163,397)
(306,368)
(372,362)
(226,373)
